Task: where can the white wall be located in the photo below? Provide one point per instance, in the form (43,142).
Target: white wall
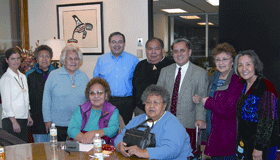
(127,16)
(161,28)
(5,25)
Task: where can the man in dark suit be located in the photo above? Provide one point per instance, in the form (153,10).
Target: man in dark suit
(183,80)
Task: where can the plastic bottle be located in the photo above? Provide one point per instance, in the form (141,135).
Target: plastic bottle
(2,153)
(53,135)
(97,144)
(54,155)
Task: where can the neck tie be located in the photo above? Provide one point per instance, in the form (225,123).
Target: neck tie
(175,92)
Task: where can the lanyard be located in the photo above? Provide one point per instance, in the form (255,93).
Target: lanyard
(22,87)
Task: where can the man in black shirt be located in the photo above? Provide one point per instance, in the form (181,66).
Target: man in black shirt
(147,71)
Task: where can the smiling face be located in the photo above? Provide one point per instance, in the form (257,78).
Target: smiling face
(246,68)
(97,96)
(117,45)
(154,52)
(181,53)
(44,59)
(154,107)
(14,61)
(71,62)
(223,62)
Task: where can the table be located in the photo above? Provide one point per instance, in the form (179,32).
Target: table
(44,151)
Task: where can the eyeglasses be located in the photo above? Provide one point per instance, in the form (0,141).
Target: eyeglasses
(99,93)
(222,60)
(44,56)
(117,42)
(71,59)
(156,103)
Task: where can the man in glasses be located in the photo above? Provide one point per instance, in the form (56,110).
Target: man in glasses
(117,68)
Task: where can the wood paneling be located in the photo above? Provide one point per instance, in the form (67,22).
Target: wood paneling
(24,29)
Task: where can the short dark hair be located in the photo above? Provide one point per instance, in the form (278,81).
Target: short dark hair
(188,43)
(157,39)
(43,47)
(255,58)
(8,54)
(157,91)
(101,81)
(114,34)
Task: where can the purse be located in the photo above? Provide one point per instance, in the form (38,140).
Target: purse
(142,139)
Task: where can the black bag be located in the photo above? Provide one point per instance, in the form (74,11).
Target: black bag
(142,139)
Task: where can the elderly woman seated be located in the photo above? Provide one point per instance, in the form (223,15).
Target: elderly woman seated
(95,116)
(172,140)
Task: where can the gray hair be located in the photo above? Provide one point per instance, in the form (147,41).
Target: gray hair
(188,43)
(255,58)
(41,48)
(154,90)
(73,49)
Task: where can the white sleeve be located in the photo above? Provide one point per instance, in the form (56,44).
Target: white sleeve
(6,86)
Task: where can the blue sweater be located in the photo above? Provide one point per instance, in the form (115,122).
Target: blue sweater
(172,140)
(60,99)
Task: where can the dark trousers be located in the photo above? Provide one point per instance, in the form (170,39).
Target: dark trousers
(61,133)
(7,125)
(125,107)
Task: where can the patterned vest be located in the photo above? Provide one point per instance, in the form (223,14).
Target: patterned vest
(107,111)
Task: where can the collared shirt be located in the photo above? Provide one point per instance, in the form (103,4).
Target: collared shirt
(184,69)
(117,71)
(14,94)
(150,124)
(60,99)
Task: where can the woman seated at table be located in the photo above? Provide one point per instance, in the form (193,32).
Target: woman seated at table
(256,110)
(95,116)
(172,140)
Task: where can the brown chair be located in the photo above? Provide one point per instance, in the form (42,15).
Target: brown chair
(7,139)
(122,124)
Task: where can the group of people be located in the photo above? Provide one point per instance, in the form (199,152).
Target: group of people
(236,105)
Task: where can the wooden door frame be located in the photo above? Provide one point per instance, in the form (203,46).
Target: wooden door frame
(24,28)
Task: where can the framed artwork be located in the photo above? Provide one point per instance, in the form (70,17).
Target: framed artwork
(81,24)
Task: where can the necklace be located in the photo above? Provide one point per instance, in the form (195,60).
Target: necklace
(154,68)
(22,87)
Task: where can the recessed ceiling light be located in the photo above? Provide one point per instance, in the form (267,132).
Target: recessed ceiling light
(175,10)
(155,0)
(204,23)
(190,17)
(213,2)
